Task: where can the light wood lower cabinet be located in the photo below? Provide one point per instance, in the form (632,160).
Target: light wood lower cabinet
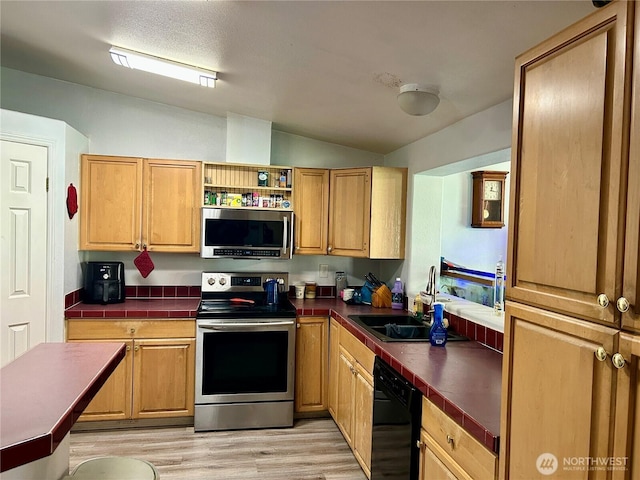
(311,364)
(626,443)
(549,367)
(334,358)
(351,392)
(450,452)
(156,377)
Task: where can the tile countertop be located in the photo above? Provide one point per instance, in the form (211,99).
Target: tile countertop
(477,313)
(44,391)
(463,379)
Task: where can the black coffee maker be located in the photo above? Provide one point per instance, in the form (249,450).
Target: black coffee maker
(103,282)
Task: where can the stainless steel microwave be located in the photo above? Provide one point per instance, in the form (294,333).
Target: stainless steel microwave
(246,233)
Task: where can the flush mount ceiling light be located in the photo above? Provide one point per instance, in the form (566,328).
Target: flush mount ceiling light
(162,66)
(416,99)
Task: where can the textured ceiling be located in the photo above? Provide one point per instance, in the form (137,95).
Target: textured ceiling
(325,70)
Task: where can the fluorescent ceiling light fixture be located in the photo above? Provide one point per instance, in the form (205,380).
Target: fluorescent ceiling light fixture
(161,66)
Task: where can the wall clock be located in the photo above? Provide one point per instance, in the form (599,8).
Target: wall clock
(487,209)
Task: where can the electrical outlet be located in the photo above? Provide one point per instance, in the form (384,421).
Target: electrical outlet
(324,270)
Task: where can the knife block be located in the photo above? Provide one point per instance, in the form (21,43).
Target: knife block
(381,298)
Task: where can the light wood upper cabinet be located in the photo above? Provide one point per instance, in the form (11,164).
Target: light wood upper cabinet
(156,378)
(311,208)
(128,204)
(367,212)
(312,351)
(171,214)
(556,396)
(631,274)
(110,203)
(569,168)
(350,212)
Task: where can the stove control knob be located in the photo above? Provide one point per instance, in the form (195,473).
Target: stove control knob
(222,281)
(211,281)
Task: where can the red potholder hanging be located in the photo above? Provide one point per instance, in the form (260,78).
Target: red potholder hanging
(144,263)
(72,200)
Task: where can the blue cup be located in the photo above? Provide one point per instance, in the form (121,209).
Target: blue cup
(271,287)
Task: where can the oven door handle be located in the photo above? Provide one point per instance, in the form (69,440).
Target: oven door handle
(226,326)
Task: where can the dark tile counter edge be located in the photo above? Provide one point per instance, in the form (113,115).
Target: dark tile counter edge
(489,439)
(32,449)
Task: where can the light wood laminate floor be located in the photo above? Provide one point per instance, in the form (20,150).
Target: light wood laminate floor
(313,449)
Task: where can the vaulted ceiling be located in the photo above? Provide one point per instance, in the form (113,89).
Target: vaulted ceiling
(329,70)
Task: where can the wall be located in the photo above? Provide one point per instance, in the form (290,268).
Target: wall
(64,146)
(476,248)
(122,125)
(472,140)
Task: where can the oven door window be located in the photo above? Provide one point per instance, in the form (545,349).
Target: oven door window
(244,362)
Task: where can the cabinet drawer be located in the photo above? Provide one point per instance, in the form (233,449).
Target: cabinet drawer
(465,450)
(358,350)
(100,329)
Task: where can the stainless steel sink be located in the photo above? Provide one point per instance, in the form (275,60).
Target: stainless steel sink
(399,328)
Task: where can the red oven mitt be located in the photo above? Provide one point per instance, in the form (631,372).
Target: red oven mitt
(72,200)
(144,263)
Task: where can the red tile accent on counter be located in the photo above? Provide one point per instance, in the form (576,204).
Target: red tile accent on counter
(44,391)
(184,307)
(463,379)
(479,333)
(141,292)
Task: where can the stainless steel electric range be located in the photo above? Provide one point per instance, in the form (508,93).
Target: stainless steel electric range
(245,351)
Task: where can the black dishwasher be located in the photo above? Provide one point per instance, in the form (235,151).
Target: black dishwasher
(397,410)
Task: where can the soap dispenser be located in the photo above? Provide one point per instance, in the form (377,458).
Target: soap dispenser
(438,332)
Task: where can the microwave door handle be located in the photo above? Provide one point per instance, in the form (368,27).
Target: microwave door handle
(285,234)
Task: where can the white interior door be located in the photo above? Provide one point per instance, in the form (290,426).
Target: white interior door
(23,248)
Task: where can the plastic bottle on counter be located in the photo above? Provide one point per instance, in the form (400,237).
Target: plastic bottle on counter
(438,332)
(498,288)
(397,295)
(418,307)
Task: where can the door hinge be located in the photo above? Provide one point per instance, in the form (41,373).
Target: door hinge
(47,184)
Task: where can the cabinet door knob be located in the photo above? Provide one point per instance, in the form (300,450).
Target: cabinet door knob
(297,325)
(128,348)
(450,440)
(136,348)
(132,330)
(622,304)
(420,444)
(329,248)
(603,300)
(618,360)
(601,354)
(137,246)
